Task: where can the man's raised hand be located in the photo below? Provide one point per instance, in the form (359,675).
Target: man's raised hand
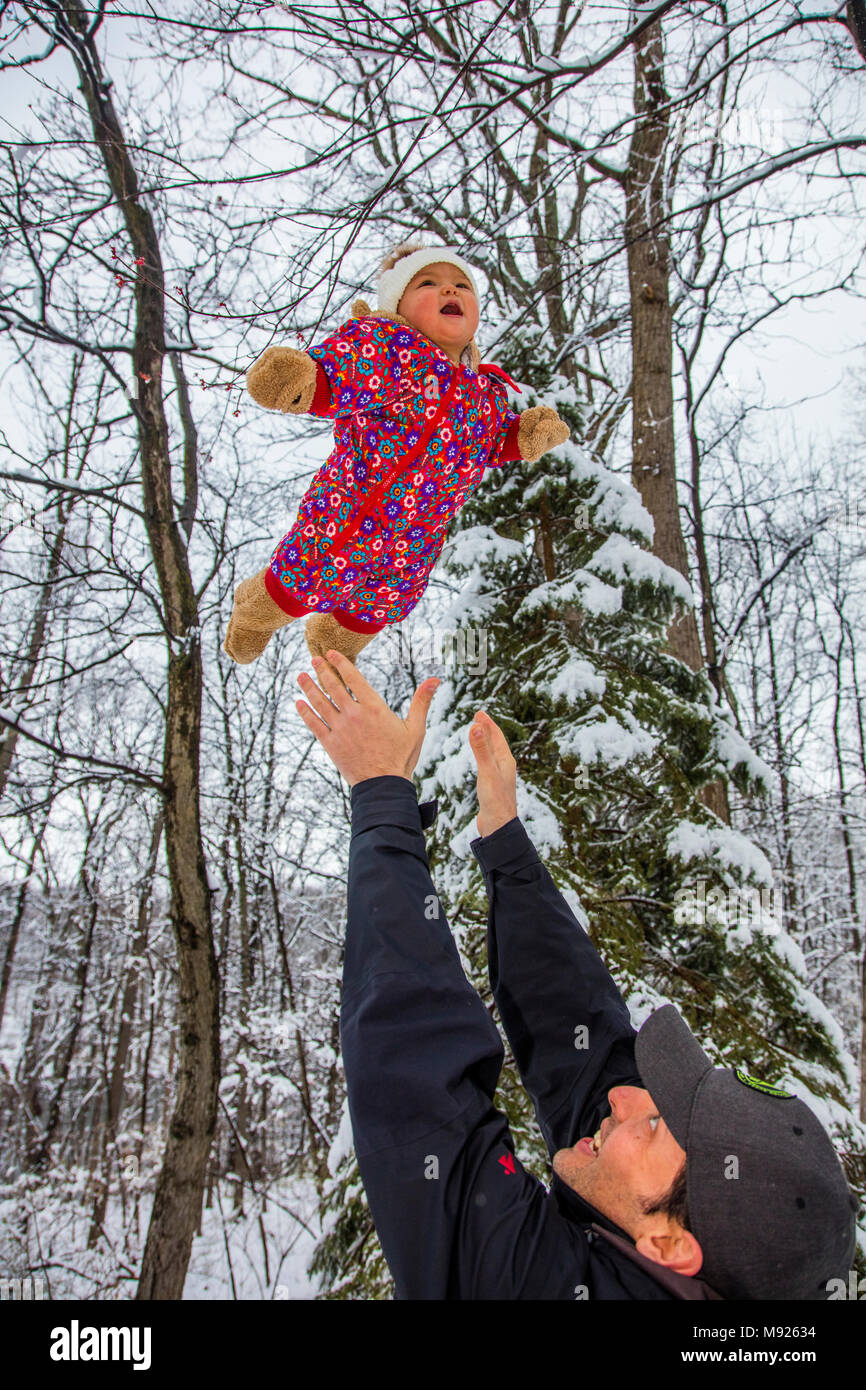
(497,774)
(361,735)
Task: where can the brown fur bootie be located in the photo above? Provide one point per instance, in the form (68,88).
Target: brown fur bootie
(255,618)
(323,631)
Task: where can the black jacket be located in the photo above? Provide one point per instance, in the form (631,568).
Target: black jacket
(457,1215)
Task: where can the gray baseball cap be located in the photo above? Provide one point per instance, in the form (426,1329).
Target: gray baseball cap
(768,1200)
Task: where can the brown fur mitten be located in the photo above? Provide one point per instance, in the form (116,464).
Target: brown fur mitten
(323,631)
(255,618)
(540,429)
(283,379)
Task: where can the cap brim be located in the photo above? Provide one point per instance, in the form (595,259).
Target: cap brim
(672,1064)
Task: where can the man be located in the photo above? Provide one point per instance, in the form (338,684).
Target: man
(672,1179)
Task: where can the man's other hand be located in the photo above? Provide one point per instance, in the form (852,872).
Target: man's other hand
(362,736)
(497,774)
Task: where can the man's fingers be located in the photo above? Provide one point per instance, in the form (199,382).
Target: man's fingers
(498,741)
(329,680)
(479,740)
(416,716)
(313,722)
(322,706)
(360,688)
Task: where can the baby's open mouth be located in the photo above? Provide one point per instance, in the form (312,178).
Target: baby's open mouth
(452,307)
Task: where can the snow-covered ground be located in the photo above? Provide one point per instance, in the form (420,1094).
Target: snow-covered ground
(228,1258)
(261,1253)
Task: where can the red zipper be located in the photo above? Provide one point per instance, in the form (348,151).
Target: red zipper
(351,527)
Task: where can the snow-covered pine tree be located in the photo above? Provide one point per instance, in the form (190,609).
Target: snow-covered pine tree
(568,611)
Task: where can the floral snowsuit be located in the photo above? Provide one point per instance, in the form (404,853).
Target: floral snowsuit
(414,433)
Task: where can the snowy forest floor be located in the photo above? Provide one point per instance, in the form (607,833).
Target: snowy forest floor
(260,1253)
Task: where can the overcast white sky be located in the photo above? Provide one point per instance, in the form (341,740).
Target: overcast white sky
(805,367)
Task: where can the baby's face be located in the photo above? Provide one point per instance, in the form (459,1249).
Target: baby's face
(429,303)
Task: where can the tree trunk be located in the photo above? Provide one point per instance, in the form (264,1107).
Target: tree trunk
(20,904)
(177,1200)
(40,1154)
(318,1146)
(132,973)
(859,935)
(648,250)
(847,841)
(789,882)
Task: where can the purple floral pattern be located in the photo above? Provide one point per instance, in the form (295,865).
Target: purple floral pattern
(387,383)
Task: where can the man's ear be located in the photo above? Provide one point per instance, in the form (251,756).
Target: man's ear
(674,1248)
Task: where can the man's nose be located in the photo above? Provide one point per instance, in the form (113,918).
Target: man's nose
(626,1101)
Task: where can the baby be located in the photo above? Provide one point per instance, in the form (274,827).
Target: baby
(417,419)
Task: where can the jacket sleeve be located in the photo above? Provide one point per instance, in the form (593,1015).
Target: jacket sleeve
(510,450)
(504,448)
(457,1215)
(566,1021)
(367,365)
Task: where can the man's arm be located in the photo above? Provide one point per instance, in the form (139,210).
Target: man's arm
(457,1215)
(565,1019)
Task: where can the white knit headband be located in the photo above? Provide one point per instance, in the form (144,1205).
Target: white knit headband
(393,282)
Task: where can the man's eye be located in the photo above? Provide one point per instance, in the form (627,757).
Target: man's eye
(654,1120)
